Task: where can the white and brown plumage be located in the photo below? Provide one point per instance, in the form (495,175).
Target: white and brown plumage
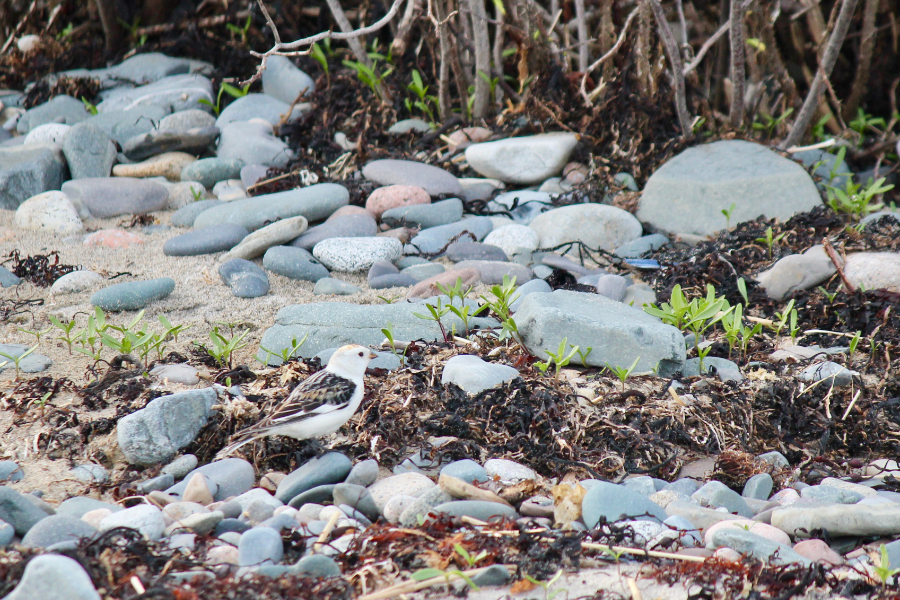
(319,405)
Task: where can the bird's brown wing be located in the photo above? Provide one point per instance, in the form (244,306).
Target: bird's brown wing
(322,393)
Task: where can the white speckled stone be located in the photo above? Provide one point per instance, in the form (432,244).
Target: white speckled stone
(76,281)
(52,133)
(513,239)
(50,211)
(351,255)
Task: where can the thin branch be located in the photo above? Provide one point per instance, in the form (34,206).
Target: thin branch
(612,52)
(405,28)
(665,32)
(866,49)
(711,42)
(738,75)
(829,58)
(582,35)
(679,6)
(829,250)
(482,59)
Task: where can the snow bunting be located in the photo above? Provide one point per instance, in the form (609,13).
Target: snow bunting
(319,405)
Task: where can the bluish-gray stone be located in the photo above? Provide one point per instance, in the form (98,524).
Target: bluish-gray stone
(207,240)
(7,533)
(133,295)
(10,471)
(26,171)
(424,215)
(317,565)
(89,151)
(33,363)
(284,81)
(106,197)
(467,469)
(434,180)
(467,250)
(328,286)
(18,511)
(158,141)
(245,279)
(80,505)
(90,473)
(253,142)
(260,546)
(715,494)
(185,216)
(315,202)
(210,171)
(758,487)
(423,271)
(754,545)
(225,478)
(407,125)
(61,109)
(173,94)
(8,278)
(434,239)
(343,226)
(627,180)
(317,495)
(363,473)
(615,502)
(477,509)
(332,467)
(830,372)
(357,497)
(122,125)
(55,529)
(392,280)
(54,577)
(723,368)
(827,167)
(294,263)
(831,494)
(637,248)
(158,483)
(474,375)
(535,286)
(154,434)
(258,106)
(192,118)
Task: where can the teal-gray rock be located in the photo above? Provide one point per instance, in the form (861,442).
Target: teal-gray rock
(192,141)
(754,545)
(8,278)
(284,81)
(758,487)
(617,334)
(637,248)
(253,142)
(830,494)
(332,467)
(477,509)
(434,180)
(294,263)
(33,363)
(260,546)
(493,271)
(424,271)
(828,169)
(315,202)
(317,565)
(332,324)
(11,471)
(106,197)
(460,251)
(245,279)
(206,240)
(723,368)
(80,505)
(467,469)
(55,529)
(627,181)
(434,239)
(133,295)
(139,69)
(358,498)
(614,502)
(154,434)
(690,191)
(715,494)
(18,511)
(89,151)
(7,534)
(210,171)
(26,171)
(64,109)
(320,494)
(328,286)
(225,478)
(173,94)
(363,473)
(258,106)
(185,216)
(54,577)
(122,125)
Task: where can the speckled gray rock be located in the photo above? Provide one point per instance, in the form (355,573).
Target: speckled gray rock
(616,502)
(836,374)
(89,151)
(524,160)
(689,192)
(723,368)
(76,281)
(90,473)
(158,141)
(839,519)
(315,202)
(830,494)
(434,239)
(145,518)
(185,216)
(245,279)
(225,478)
(133,295)
(617,333)
(317,565)
(207,240)
(181,466)
(174,93)
(122,125)
(187,119)
(329,286)
(424,215)
(596,225)
(433,180)
(154,434)
(210,171)
(80,505)
(54,577)
(26,171)
(332,467)
(67,108)
(253,142)
(55,529)
(258,106)
(474,375)
(513,239)
(106,197)
(18,511)
(33,363)
(343,227)
(351,255)
(284,81)
(294,263)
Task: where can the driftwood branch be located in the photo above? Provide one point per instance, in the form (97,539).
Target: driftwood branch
(711,42)
(866,49)
(482,101)
(405,28)
(665,32)
(829,58)
(582,35)
(612,52)
(738,75)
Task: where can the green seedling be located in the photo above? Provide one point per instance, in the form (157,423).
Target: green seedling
(36,334)
(546,585)
(454,292)
(424,574)
(742,288)
(503,296)
(621,372)
(770,239)
(795,328)
(558,360)
(68,335)
(196,193)
(747,334)
(286,354)
(371,76)
(66,32)
(223,348)
(818,130)
(425,102)
(696,316)
(466,556)
(436,313)
(727,212)
(854,343)
(884,571)
(388,332)
(240,31)
(702,353)
(856,199)
(316,52)
(733,324)
(88,106)
(231,90)
(781,318)
(17,359)
(172,330)
(863,122)
(769,124)
(582,354)
(828,295)
(389,299)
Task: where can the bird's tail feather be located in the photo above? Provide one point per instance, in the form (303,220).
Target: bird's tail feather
(241,441)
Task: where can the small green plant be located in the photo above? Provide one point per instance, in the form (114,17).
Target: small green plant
(863,122)
(37,334)
(436,313)
(769,124)
(223,348)
(286,354)
(317,53)
(854,343)
(695,316)
(857,199)
(67,330)
(18,358)
(455,291)
(697,126)
(466,556)
(388,332)
(770,239)
(371,76)
(65,32)
(231,90)
(547,585)
(389,299)
(621,372)
(795,328)
(884,571)
(733,323)
(88,106)
(781,318)
(240,31)
(558,360)
(583,354)
(502,298)
(818,130)
(425,102)
(196,193)
(727,212)
(829,295)
(431,573)
(742,288)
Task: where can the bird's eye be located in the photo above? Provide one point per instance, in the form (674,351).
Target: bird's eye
(360,353)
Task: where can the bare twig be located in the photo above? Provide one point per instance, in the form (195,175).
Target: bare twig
(665,32)
(607,56)
(434,14)
(801,123)
(21,25)
(738,76)
(711,42)
(482,59)
(866,49)
(582,36)
(829,250)
(405,28)
(679,6)
(185,24)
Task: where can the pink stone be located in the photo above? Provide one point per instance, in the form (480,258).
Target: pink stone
(728,555)
(112,238)
(467,136)
(575,173)
(404,234)
(818,551)
(394,196)
(771,533)
(350,209)
(734,523)
(428,287)
(785,497)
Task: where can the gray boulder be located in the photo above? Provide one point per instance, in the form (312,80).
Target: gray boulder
(315,202)
(26,171)
(54,577)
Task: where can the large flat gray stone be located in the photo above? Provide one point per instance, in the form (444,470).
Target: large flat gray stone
(688,193)
(617,334)
(27,171)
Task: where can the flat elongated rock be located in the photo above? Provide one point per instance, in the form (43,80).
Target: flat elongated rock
(66,108)
(315,202)
(332,467)
(617,334)
(258,106)
(615,502)
(294,263)
(690,191)
(434,180)
(133,295)
(796,272)
(344,226)
(434,239)
(158,141)
(18,511)
(245,279)
(261,240)
(754,545)
(218,238)
(424,215)
(210,171)
(26,171)
(33,363)
(173,94)
(524,160)
(185,216)
(106,197)
(122,125)
(839,520)
(332,324)
(874,270)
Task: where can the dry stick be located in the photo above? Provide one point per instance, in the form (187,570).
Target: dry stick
(677,68)
(408,587)
(434,13)
(738,75)
(187,24)
(711,42)
(24,20)
(801,123)
(829,250)
(497,51)
(612,52)
(405,28)
(679,6)
(329,527)
(582,36)
(482,59)
(359,51)
(866,49)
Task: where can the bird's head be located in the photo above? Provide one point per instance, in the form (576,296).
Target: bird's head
(351,360)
